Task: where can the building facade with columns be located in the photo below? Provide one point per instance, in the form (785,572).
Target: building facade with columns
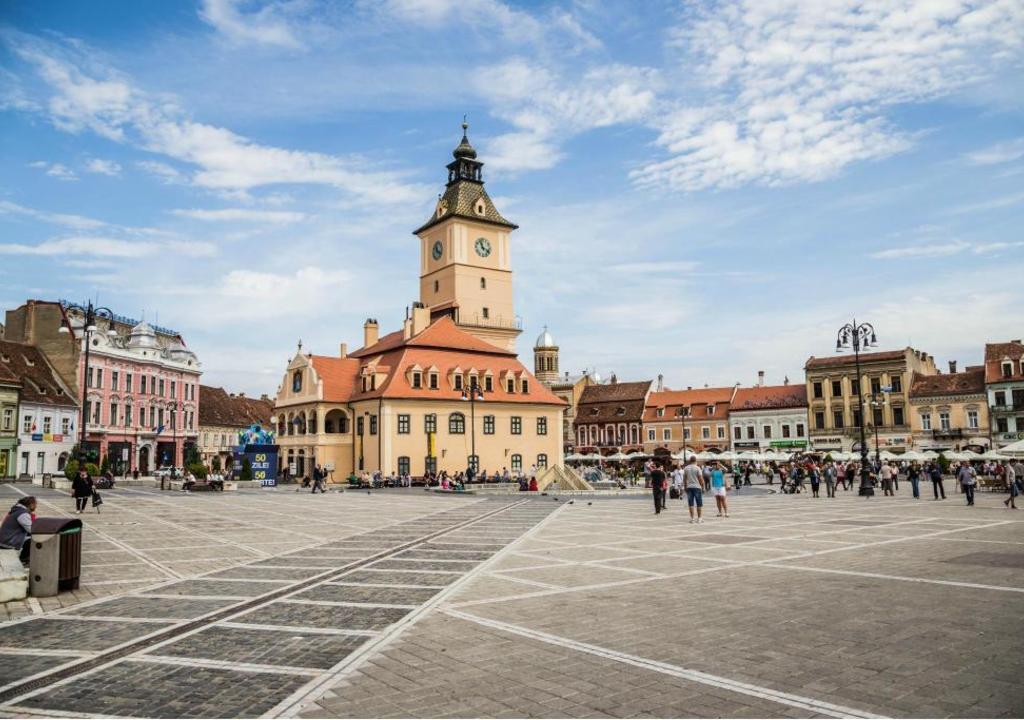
(833,397)
(949,411)
(444,392)
(141,394)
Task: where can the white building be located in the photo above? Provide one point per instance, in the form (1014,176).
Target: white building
(1004,384)
(770,417)
(47,412)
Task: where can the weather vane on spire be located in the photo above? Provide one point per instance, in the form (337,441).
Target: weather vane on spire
(465,126)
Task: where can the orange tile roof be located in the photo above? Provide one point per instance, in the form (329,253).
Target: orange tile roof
(442,333)
(338,374)
(844,358)
(770,397)
(687,398)
(969,382)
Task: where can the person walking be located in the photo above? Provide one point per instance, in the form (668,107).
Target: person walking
(967,477)
(830,480)
(693,480)
(815,479)
(658,488)
(914,475)
(1011,486)
(935,474)
(81,490)
(318,480)
(718,488)
(886,474)
(678,482)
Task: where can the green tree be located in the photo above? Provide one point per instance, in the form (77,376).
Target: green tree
(92,469)
(105,464)
(215,465)
(246,473)
(943,463)
(192,456)
(199,470)
(71,469)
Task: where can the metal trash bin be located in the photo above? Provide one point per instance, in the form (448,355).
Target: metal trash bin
(55,562)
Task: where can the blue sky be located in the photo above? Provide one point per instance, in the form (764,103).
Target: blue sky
(704,190)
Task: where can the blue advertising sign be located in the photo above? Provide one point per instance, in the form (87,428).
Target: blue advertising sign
(262,459)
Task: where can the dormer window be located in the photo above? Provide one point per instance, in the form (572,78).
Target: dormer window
(480,208)
(433,381)
(526,386)
(457,381)
(417,380)
(510,385)
(620,411)
(488,383)
(594,411)
(711,410)
(661,412)
(1007,369)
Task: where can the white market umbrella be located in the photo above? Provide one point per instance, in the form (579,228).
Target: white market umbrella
(1015,449)
(993,455)
(575,457)
(617,457)
(683,455)
(886,455)
(747,455)
(727,455)
(913,455)
(930,455)
(638,456)
(955,456)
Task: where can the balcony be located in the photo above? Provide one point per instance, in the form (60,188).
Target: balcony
(949,434)
(477,320)
(1002,408)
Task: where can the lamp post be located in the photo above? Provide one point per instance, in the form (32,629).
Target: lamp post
(174,437)
(857,336)
(876,404)
(90,313)
(472,395)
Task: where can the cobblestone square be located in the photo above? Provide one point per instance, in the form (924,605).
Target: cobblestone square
(409,604)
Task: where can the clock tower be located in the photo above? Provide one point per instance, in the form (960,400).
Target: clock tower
(465,263)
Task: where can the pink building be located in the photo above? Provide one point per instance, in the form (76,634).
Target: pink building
(141,393)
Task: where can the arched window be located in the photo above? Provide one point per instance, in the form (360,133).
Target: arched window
(336,421)
(297,381)
(517,462)
(457,424)
(542,461)
(312,422)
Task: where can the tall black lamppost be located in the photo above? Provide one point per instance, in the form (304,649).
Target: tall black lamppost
(876,404)
(89,315)
(174,437)
(857,336)
(472,395)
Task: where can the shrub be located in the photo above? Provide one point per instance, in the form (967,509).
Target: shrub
(944,463)
(92,469)
(105,464)
(215,464)
(70,469)
(199,470)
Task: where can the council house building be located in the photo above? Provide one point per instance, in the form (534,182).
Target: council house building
(446,391)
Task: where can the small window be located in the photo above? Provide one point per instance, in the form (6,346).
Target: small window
(620,411)
(433,381)
(417,380)
(487,313)
(430,423)
(819,421)
(488,383)
(483,283)
(650,435)
(517,425)
(542,426)
(517,462)
(666,434)
(660,412)
(488,424)
(511,385)
(711,410)
(721,432)
(750,432)
(404,465)
(404,423)
(897,416)
(457,381)
(837,420)
(526,386)
(817,389)
(542,461)
(737,433)
(837,388)
(457,424)
(437,286)
(373,424)
(785,431)
(896,383)
(800,430)
(705,432)
(1007,369)
(686,433)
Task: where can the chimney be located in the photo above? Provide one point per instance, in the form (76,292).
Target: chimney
(343,350)
(661,382)
(371,332)
(689,387)
(420,318)
(952,367)
(407,328)
(760,378)
(264,397)
(614,379)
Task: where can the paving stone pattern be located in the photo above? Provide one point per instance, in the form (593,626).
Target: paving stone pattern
(264,647)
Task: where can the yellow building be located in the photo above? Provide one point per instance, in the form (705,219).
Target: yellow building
(444,392)
(950,411)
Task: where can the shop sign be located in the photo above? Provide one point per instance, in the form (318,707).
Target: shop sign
(752,445)
(788,443)
(890,441)
(37,437)
(827,442)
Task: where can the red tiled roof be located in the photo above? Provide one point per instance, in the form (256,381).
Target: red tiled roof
(339,376)
(40,384)
(770,397)
(996,353)
(615,392)
(884,356)
(969,382)
(218,408)
(442,333)
(671,400)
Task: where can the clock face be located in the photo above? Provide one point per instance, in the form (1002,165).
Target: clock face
(437,250)
(483,247)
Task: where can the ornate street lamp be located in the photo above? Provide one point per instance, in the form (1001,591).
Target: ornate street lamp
(90,313)
(856,336)
(472,395)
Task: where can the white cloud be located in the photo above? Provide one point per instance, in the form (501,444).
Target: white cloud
(796,91)
(921,251)
(557,28)
(167,174)
(103,167)
(654,267)
(224,161)
(109,247)
(267,25)
(1003,152)
(548,109)
(78,222)
(996,203)
(57,170)
(242,214)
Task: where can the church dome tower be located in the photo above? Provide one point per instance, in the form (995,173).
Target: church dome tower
(545,358)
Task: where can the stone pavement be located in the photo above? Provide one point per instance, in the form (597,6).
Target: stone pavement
(409,604)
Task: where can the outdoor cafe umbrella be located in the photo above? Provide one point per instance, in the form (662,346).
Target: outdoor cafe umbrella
(683,455)
(1015,449)
(617,457)
(574,457)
